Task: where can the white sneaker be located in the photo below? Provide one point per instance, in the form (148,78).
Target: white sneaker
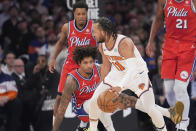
(183,124)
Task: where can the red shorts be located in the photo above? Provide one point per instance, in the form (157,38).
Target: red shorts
(179,60)
(66,69)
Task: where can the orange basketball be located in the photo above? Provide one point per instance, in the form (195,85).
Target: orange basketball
(106,101)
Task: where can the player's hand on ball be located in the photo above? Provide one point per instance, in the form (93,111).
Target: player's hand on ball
(116,90)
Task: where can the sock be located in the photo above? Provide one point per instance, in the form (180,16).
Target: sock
(83,124)
(181,93)
(169,91)
(93,125)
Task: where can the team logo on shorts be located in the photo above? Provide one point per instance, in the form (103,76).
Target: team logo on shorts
(141,86)
(184,74)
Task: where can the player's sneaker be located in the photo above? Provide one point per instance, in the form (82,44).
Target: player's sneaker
(176,112)
(182,126)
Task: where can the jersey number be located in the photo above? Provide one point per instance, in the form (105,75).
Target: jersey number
(181,24)
(118,66)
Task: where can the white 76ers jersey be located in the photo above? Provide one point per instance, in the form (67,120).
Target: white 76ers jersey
(119,66)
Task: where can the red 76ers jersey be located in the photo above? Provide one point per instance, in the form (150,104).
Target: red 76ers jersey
(180,20)
(86,86)
(78,37)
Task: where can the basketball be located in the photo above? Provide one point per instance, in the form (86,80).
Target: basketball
(106,101)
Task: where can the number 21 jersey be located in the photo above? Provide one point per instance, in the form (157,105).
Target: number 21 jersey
(180,20)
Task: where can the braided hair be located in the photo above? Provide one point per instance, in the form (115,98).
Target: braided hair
(107,26)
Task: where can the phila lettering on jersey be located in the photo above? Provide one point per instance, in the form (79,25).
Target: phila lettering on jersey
(78,37)
(86,86)
(180,19)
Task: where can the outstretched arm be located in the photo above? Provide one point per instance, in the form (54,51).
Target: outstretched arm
(59,46)
(156,25)
(70,86)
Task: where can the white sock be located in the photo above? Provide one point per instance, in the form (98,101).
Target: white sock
(93,125)
(169,91)
(83,124)
(180,89)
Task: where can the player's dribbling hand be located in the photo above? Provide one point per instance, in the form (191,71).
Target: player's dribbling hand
(116,90)
(52,66)
(150,48)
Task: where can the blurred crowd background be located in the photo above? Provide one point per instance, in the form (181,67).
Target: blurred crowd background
(29,30)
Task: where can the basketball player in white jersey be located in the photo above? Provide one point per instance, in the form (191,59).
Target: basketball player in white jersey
(123,68)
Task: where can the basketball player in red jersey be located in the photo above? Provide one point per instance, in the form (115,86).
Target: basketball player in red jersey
(179,57)
(77,32)
(80,86)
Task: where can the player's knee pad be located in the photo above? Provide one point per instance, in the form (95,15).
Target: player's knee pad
(180,89)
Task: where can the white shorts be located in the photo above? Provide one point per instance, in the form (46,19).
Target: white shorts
(139,84)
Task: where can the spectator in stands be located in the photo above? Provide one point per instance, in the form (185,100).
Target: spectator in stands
(48,83)
(140,48)
(9,61)
(24,38)
(48,49)
(4,16)
(9,29)
(36,44)
(1,53)
(9,104)
(134,24)
(136,40)
(49,25)
(157,84)
(19,75)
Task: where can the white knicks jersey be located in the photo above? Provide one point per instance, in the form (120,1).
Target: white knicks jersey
(119,66)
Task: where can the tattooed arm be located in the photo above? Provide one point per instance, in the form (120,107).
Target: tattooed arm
(126,101)
(70,86)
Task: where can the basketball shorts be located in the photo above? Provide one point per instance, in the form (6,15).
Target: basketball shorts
(179,60)
(139,84)
(79,110)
